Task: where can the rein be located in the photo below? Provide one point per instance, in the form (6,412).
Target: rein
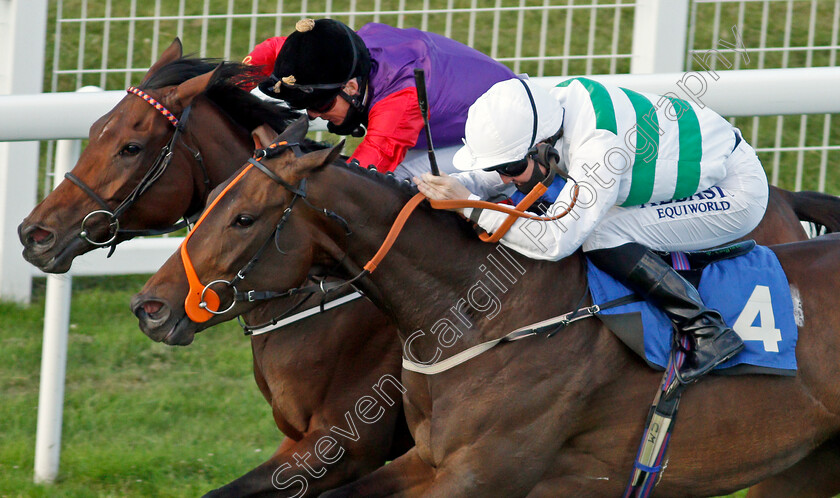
(202,302)
(157,169)
(513,213)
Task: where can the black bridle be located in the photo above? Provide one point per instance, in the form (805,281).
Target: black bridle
(157,170)
(298,193)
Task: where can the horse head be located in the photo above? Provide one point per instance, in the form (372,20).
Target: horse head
(247,219)
(149,162)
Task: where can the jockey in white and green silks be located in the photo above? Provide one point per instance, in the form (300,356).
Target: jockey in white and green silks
(654,173)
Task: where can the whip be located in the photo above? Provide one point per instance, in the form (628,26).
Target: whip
(423,102)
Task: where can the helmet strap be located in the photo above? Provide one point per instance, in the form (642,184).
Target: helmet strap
(546,155)
(355,122)
(537,177)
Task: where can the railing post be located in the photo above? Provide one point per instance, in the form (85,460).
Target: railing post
(22,40)
(54,349)
(659,36)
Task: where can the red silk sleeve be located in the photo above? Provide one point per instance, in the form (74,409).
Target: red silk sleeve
(264,55)
(394,123)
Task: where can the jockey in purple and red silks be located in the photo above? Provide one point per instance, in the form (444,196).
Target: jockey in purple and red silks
(363,84)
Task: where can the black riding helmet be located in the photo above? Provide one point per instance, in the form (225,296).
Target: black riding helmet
(315,63)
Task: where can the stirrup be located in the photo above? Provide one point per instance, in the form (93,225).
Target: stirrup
(680,375)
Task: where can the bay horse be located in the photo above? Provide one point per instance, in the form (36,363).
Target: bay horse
(218,131)
(537,417)
(123,144)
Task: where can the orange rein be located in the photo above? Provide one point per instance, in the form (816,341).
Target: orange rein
(513,214)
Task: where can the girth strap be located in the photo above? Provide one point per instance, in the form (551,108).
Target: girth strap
(550,326)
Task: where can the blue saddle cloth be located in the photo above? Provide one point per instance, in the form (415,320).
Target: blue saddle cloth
(753,296)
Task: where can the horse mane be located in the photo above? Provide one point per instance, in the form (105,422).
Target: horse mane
(243,107)
(404,187)
(406,190)
(225,90)
(177,72)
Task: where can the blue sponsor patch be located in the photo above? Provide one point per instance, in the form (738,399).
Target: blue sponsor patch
(753,296)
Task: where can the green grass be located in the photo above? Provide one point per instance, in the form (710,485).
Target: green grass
(140,418)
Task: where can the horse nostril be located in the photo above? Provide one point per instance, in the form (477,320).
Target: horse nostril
(34,236)
(39,235)
(152,307)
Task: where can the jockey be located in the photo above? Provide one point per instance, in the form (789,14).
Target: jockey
(629,153)
(363,84)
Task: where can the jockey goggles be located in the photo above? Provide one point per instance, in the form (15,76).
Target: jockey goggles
(513,168)
(315,97)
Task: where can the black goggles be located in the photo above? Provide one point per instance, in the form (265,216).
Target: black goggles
(324,106)
(513,168)
(302,96)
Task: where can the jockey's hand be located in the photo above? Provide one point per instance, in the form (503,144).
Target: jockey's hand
(442,187)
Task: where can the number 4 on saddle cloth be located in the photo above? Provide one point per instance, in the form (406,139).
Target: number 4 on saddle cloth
(750,291)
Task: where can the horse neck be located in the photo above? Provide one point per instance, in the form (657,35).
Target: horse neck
(223,144)
(438,273)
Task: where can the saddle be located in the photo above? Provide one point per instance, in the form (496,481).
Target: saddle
(741,289)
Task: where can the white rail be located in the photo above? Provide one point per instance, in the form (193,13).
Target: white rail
(745,92)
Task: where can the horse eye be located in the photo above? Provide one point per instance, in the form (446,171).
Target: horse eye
(131,150)
(244,220)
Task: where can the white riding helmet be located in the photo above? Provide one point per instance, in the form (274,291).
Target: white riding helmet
(500,125)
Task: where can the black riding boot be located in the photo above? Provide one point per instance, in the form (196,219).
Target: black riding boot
(712,342)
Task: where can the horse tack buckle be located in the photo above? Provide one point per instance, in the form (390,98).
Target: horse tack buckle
(574,316)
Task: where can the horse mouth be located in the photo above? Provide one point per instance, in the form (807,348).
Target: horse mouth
(56,258)
(182,333)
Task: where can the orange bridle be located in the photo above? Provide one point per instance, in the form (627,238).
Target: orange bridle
(202,302)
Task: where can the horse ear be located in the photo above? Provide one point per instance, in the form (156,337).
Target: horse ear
(263,136)
(194,87)
(174,52)
(319,158)
(296,132)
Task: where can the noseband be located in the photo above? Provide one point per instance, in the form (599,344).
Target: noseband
(157,169)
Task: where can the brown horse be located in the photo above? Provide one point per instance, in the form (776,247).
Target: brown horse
(537,417)
(305,402)
(122,145)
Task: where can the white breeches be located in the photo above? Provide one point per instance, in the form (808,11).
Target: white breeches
(721,214)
